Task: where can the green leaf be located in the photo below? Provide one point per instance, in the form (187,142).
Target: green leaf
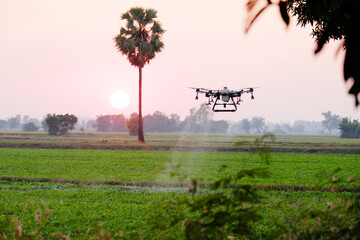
(156,28)
(150,14)
(138,14)
(284,13)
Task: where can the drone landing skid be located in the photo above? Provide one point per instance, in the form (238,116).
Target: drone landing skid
(224,105)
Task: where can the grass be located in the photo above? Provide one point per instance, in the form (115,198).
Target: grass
(77,210)
(126,211)
(288,169)
(183,142)
(74,209)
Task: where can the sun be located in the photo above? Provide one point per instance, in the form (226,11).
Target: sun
(119,99)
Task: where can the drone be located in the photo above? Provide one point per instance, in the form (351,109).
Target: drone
(227,98)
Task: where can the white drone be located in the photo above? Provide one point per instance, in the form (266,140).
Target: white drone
(227,97)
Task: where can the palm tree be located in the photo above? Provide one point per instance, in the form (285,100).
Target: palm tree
(140,40)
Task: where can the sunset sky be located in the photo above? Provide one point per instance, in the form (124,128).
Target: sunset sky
(59,57)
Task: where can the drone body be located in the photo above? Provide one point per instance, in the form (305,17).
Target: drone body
(225,97)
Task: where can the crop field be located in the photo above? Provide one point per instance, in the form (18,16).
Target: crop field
(96,185)
(182,142)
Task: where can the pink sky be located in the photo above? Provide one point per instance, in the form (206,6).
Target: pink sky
(59,57)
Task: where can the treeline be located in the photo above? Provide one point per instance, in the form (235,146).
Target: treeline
(198,121)
(25,123)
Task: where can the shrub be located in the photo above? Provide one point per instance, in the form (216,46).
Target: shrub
(60,124)
(349,129)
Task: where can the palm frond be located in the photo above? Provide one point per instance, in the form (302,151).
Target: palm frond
(133,59)
(156,28)
(130,25)
(251,20)
(125,45)
(157,43)
(145,48)
(124,31)
(138,15)
(150,14)
(139,40)
(126,16)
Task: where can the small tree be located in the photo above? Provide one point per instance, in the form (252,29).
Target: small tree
(220,126)
(349,129)
(132,124)
(199,119)
(14,122)
(4,124)
(60,124)
(30,127)
(246,125)
(331,121)
(258,123)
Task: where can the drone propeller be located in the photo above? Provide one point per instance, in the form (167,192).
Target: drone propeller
(200,89)
(250,88)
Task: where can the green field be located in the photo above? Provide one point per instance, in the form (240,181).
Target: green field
(156,166)
(51,189)
(180,142)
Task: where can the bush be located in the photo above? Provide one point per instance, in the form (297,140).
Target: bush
(349,129)
(60,124)
(133,124)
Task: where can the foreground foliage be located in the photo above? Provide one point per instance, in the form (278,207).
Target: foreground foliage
(330,20)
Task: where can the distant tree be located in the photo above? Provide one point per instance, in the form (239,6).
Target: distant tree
(258,123)
(60,124)
(44,126)
(298,127)
(140,40)
(90,124)
(14,122)
(118,123)
(220,126)
(174,122)
(277,129)
(309,126)
(159,122)
(133,124)
(331,121)
(281,128)
(190,123)
(199,119)
(111,123)
(349,129)
(337,20)
(27,119)
(4,124)
(30,127)
(246,125)
(103,123)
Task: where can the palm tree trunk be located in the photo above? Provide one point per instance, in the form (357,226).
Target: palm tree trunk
(141,138)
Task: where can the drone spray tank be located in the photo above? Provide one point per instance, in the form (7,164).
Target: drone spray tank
(225,94)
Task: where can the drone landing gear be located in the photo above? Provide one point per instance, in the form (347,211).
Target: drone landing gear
(232,103)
